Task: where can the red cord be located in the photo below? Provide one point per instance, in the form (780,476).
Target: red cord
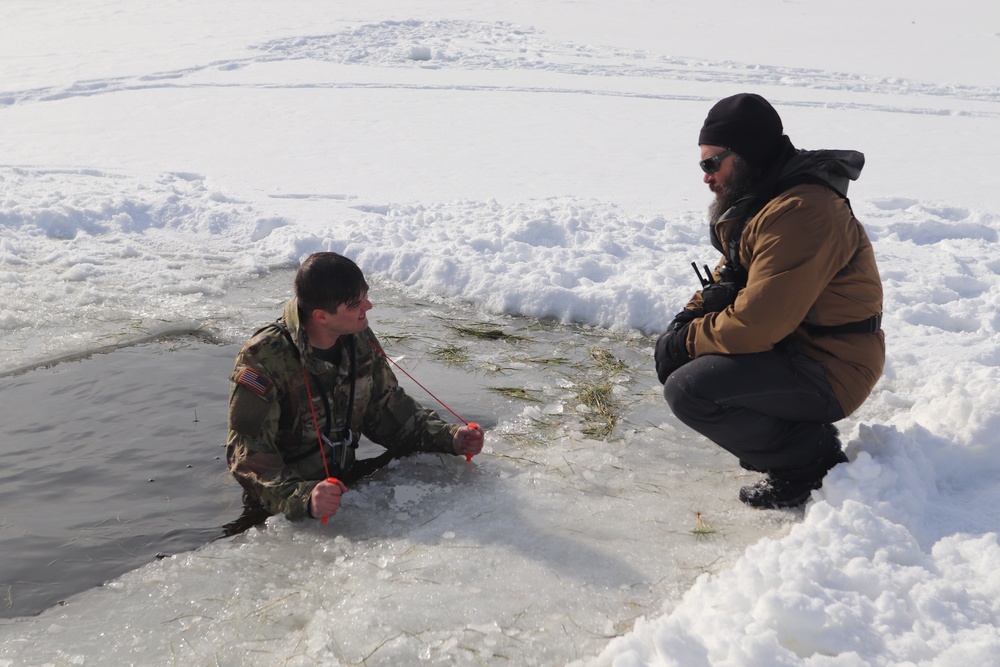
(319,437)
(312,408)
(380,351)
(468,457)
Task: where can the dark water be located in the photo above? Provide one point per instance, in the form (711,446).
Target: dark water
(108,462)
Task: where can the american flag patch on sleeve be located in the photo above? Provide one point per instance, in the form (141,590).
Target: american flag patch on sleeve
(253,380)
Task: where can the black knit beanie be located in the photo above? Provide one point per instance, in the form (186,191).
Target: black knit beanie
(747,124)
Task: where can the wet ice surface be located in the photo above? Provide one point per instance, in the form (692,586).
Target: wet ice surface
(552,541)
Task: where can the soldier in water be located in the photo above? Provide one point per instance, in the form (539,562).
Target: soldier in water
(307,387)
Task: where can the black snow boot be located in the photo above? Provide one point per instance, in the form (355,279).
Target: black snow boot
(787,488)
(772,493)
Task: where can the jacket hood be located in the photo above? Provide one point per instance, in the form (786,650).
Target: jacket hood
(832,168)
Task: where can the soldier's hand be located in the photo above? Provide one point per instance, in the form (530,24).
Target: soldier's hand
(324,501)
(468,441)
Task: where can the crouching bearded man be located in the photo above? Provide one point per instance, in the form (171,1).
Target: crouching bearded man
(784,338)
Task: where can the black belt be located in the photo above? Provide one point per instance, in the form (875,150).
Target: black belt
(870,325)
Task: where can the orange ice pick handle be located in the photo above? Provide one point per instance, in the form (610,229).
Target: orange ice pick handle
(332,480)
(468,457)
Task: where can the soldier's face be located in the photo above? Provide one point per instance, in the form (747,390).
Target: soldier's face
(349,318)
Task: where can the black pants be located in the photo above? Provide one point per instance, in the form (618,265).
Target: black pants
(772,409)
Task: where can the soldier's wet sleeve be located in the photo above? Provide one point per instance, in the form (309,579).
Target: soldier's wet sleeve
(251,449)
(399,423)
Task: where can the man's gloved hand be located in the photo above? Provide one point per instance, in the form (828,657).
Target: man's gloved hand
(718,296)
(671,347)
(683,317)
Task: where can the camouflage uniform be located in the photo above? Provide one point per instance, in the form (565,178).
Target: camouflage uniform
(272,448)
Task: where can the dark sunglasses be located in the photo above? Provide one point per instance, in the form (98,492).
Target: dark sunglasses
(710,165)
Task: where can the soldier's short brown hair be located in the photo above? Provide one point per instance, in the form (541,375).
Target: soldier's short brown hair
(325,280)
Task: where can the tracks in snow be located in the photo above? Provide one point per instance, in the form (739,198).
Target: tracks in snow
(473,46)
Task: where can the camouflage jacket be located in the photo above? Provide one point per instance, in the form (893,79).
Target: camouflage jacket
(273,449)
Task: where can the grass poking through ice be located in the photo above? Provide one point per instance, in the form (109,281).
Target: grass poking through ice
(601,410)
(452,355)
(485,333)
(516,392)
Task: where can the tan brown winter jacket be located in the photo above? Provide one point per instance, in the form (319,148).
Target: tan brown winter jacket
(808,260)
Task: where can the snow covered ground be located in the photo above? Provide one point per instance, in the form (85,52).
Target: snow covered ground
(159,162)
